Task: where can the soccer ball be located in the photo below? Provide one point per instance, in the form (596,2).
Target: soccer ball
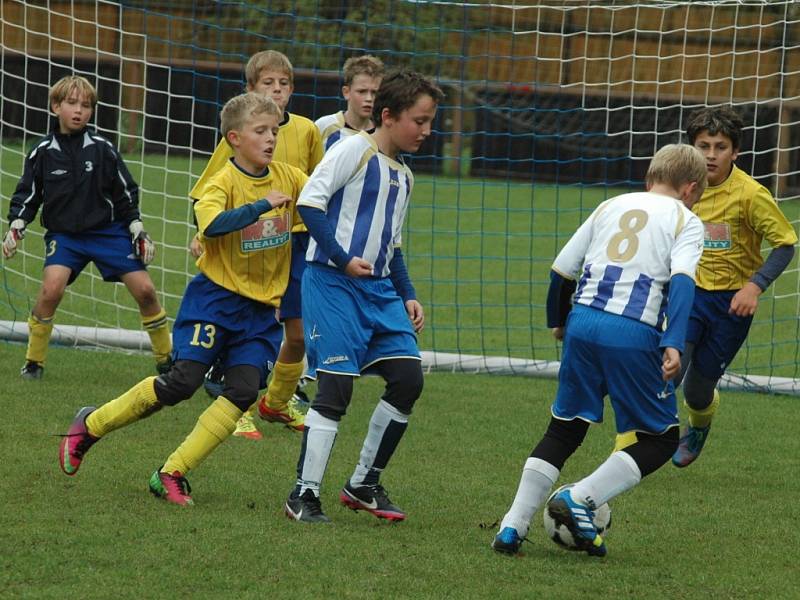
(561,535)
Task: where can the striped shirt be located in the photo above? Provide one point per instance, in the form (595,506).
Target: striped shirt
(626,252)
(365,195)
(333,128)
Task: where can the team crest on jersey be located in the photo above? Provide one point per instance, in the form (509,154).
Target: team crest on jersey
(266,233)
(718,236)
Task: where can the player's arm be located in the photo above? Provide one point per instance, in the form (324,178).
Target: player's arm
(318,227)
(559,300)
(767,219)
(24,203)
(214,221)
(398,273)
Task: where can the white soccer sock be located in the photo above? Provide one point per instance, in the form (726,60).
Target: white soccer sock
(386,427)
(618,474)
(538,477)
(319,436)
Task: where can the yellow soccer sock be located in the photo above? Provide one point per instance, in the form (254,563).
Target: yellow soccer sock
(213,427)
(137,403)
(285,377)
(702,418)
(156,327)
(39,331)
(624,440)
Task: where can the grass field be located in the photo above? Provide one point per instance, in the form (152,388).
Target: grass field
(722,528)
(479,252)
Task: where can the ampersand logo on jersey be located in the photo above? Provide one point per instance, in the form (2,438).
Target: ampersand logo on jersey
(266,233)
(718,236)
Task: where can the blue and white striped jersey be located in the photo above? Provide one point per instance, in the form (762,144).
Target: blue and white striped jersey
(332,128)
(626,252)
(365,195)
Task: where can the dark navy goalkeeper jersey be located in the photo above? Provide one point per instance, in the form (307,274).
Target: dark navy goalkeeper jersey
(79,180)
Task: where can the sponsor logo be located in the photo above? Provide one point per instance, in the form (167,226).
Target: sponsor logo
(336,359)
(266,233)
(394,183)
(718,236)
(59,172)
(314,333)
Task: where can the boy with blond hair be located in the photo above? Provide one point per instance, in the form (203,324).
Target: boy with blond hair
(245,215)
(270,73)
(362,78)
(626,273)
(90,211)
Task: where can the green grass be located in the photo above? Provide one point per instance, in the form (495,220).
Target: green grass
(479,253)
(719,529)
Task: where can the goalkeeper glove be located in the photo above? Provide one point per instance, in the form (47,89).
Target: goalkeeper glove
(15,233)
(143,247)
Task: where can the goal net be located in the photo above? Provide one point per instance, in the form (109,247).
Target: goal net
(551,107)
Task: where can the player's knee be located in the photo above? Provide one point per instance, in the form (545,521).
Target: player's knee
(405,387)
(698,390)
(560,441)
(242,385)
(145,294)
(333,395)
(653,449)
(180,382)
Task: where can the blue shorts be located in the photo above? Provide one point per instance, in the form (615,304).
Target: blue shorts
(607,354)
(213,321)
(108,247)
(351,323)
(291,302)
(716,334)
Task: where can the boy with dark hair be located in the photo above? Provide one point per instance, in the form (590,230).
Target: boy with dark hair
(738,214)
(245,215)
(360,309)
(270,73)
(632,254)
(90,209)
(362,78)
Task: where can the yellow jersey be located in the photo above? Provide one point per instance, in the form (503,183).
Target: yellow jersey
(299,144)
(738,215)
(252,262)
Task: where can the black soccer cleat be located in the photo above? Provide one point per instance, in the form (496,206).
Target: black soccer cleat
(32,370)
(371,498)
(305,508)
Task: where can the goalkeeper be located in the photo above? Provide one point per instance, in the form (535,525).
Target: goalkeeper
(90,211)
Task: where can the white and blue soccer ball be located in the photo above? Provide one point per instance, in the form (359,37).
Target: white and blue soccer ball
(561,535)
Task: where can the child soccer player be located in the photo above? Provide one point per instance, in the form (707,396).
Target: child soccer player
(738,213)
(270,73)
(245,215)
(359,306)
(362,78)
(633,252)
(90,210)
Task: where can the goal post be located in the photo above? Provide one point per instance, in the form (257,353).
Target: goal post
(551,107)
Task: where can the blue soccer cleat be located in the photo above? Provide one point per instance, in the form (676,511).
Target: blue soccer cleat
(579,520)
(507,541)
(690,446)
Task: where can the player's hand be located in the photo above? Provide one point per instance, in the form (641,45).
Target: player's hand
(416,314)
(143,247)
(745,301)
(558,333)
(15,233)
(358,267)
(276,198)
(196,246)
(670,364)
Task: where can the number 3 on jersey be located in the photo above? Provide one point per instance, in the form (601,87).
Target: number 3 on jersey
(624,244)
(207,340)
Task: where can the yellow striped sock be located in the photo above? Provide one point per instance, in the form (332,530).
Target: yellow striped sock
(157,328)
(213,427)
(624,440)
(285,377)
(702,418)
(39,331)
(137,403)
